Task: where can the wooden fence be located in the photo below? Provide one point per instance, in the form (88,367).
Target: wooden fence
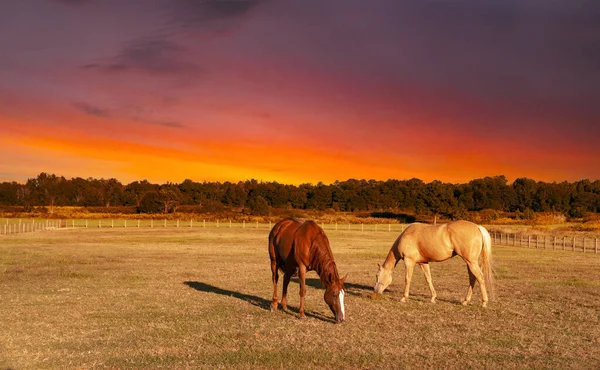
(565,243)
(13,226)
(533,241)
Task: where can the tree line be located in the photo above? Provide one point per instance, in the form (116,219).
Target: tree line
(522,196)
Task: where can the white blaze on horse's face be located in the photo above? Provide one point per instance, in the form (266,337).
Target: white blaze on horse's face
(382,280)
(335,301)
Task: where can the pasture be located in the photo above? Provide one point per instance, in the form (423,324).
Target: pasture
(199,298)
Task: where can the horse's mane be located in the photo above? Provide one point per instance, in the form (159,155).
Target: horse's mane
(322,259)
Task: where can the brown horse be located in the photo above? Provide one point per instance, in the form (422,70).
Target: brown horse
(296,246)
(421,244)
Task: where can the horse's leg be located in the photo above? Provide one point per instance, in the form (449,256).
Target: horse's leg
(476,271)
(275,275)
(409,266)
(302,276)
(286,281)
(427,273)
(472,280)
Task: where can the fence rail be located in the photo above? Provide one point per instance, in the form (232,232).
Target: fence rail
(548,242)
(13,226)
(533,241)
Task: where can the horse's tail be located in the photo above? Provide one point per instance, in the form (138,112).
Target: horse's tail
(487,261)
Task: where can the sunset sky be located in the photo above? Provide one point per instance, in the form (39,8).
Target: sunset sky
(300,91)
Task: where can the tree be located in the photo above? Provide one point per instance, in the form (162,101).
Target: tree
(151,202)
(258,206)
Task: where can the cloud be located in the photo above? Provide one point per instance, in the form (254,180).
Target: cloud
(132,113)
(72,2)
(154,56)
(200,11)
(171,124)
(209,15)
(91,109)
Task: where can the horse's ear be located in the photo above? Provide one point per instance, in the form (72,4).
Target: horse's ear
(378,265)
(329,278)
(344,278)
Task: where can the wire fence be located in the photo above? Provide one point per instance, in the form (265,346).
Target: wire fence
(14,226)
(533,241)
(548,242)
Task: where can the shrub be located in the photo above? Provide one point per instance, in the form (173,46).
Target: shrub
(151,203)
(258,206)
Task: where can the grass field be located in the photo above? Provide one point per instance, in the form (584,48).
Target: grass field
(198,298)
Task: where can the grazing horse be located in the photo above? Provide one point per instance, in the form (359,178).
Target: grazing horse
(421,244)
(296,246)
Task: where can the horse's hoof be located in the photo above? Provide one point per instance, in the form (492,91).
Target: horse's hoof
(403,300)
(302,318)
(273,307)
(464,303)
(484,305)
(433,301)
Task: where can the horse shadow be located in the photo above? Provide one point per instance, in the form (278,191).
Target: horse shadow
(252,299)
(351,288)
(360,290)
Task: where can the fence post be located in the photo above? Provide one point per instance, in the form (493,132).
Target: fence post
(389,228)
(138,222)
(165,224)
(596,247)
(99,223)
(583,244)
(217,222)
(230,223)
(269,224)
(125,225)
(190,222)
(573,244)
(336,226)
(554,245)
(243,224)
(528,241)
(257,224)
(362,227)
(112,223)
(204,223)
(151,222)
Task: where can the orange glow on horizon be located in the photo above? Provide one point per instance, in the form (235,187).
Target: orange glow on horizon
(74,144)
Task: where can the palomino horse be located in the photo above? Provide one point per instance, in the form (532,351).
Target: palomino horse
(303,246)
(421,244)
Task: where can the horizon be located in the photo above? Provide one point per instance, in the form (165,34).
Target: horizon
(125,183)
(295,93)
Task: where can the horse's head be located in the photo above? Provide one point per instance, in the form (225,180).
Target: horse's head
(382,280)
(334,297)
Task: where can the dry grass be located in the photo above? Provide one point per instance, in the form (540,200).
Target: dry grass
(198,298)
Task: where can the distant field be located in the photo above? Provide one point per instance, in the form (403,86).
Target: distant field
(198,298)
